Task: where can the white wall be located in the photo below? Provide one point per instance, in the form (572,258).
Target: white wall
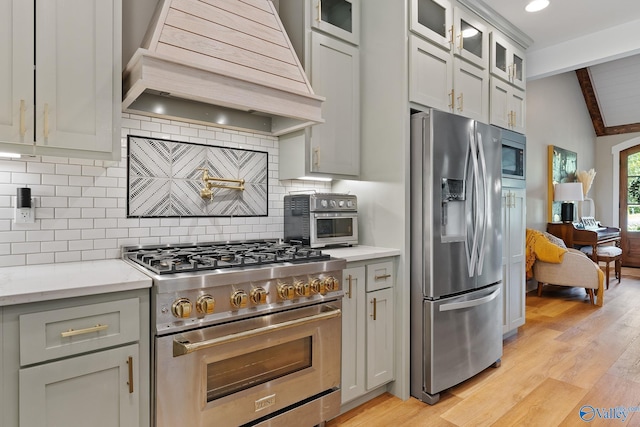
(556,115)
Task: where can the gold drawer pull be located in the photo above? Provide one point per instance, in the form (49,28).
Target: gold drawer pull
(72,332)
(384,276)
(374,302)
(350,279)
(130,382)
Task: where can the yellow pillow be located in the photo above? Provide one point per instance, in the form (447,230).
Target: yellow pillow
(543,248)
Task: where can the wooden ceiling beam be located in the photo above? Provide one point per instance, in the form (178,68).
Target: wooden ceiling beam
(591,101)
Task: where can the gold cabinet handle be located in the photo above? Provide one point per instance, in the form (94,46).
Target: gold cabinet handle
(316,161)
(319,10)
(350,279)
(461,102)
(374,302)
(461,45)
(451,36)
(46,120)
(452,97)
(23,127)
(383,276)
(130,382)
(514,71)
(72,332)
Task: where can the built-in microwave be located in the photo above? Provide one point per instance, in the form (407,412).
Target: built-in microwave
(514,163)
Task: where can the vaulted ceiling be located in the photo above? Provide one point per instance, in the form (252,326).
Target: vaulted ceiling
(567,32)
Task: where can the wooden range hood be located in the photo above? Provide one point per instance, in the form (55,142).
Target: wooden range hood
(226,63)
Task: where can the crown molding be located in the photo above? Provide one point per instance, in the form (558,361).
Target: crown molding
(500,22)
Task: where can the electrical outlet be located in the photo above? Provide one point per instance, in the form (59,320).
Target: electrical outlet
(25,215)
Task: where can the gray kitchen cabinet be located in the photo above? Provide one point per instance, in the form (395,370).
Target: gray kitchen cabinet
(330,149)
(339,18)
(508,97)
(449,59)
(367,327)
(353,333)
(508,106)
(513,257)
(61,85)
(79,361)
(508,61)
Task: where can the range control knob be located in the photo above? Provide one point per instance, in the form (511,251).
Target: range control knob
(286,291)
(258,295)
(205,304)
(239,299)
(324,203)
(341,203)
(303,289)
(317,287)
(181,308)
(331,283)
(349,203)
(333,203)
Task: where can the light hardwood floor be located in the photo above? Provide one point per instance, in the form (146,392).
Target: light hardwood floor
(568,354)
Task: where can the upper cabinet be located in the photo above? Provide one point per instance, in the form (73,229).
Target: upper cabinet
(62,83)
(449,59)
(339,18)
(508,98)
(433,19)
(507,60)
(330,149)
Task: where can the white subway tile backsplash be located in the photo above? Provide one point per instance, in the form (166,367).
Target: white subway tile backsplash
(68,256)
(55,179)
(40,235)
(25,248)
(40,258)
(81,210)
(55,246)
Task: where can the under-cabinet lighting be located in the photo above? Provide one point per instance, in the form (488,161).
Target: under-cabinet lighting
(315,178)
(10,155)
(536,5)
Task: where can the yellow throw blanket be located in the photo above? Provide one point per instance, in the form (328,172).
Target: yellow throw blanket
(539,247)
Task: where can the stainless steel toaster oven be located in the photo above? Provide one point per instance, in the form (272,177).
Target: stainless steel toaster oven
(321,219)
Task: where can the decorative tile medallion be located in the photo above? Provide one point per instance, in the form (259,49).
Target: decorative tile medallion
(164,179)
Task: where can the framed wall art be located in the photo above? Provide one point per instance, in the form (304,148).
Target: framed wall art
(563,167)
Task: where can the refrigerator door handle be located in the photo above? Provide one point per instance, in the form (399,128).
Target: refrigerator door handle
(472,258)
(470,303)
(485,200)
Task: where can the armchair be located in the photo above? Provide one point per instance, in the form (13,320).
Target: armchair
(549,261)
(576,269)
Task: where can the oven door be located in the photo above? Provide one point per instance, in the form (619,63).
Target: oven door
(333,228)
(251,370)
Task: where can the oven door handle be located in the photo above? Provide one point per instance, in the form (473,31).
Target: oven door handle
(185,347)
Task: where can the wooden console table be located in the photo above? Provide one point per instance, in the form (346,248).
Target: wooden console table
(573,236)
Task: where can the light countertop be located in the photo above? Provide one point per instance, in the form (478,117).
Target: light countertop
(361,253)
(33,283)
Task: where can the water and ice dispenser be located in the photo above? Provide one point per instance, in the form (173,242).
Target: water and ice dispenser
(453,210)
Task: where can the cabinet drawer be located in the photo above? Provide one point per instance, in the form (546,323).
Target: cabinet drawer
(379,276)
(48,335)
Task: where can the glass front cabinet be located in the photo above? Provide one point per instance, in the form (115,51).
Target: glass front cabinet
(507,60)
(340,18)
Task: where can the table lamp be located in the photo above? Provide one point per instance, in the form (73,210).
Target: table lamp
(567,193)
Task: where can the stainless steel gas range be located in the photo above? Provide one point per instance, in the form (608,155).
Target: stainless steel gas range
(246,333)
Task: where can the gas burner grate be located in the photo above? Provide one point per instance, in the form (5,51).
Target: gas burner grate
(213,256)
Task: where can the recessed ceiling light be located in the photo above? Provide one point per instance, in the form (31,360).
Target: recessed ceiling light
(536,5)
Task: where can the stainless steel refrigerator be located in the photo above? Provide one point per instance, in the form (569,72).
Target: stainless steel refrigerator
(456,251)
